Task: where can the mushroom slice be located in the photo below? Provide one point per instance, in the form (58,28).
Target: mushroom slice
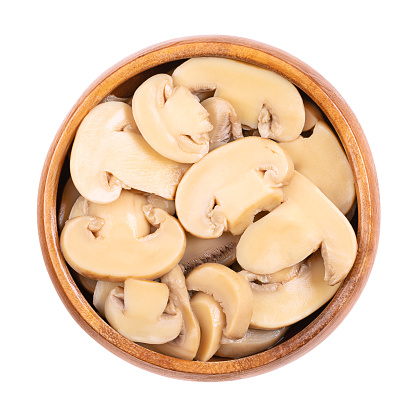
(224,119)
(262,99)
(186,344)
(254,341)
(230,185)
(228,288)
(101,292)
(215,250)
(162,203)
(277,305)
(137,312)
(211,319)
(109,154)
(112,241)
(313,114)
(69,195)
(321,158)
(171,119)
(87,283)
(306,221)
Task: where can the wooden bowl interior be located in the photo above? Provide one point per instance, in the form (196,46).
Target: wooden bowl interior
(122,81)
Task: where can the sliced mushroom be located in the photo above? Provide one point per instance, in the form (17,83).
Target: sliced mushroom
(280,304)
(186,344)
(69,195)
(313,114)
(171,119)
(109,154)
(230,185)
(211,319)
(137,312)
(321,158)
(101,292)
(260,97)
(228,288)
(254,341)
(306,221)
(224,119)
(111,241)
(215,250)
(162,203)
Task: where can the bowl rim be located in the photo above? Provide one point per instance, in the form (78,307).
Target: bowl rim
(358,152)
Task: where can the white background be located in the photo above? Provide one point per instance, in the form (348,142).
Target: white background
(52,51)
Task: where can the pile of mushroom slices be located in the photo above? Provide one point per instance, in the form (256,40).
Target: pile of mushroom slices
(210,214)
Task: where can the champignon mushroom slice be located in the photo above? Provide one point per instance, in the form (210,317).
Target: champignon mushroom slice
(211,320)
(186,344)
(276,305)
(306,221)
(313,114)
(171,119)
(321,158)
(254,341)
(109,154)
(229,289)
(111,241)
(69,195)
(101,292)
(224,119)
(254,92)
(137,312)
(162,203)
(215,250)
(230,185)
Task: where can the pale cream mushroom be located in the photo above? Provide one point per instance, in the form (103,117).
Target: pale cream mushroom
(137,312)
(262,99)
(214,250)
(321,158)
(69,195)
(162,203)
(228,288)
(101,292)
(171,119)
(306,221)
(254,341)
(112,241)
(110,154)
(288,299)
(223,117)
(313,114)
(186,344)
(230,185)
(212,322)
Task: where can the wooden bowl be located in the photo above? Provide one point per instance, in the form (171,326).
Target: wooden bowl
(122,80)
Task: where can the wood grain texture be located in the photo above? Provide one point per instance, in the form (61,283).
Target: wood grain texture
(122,79)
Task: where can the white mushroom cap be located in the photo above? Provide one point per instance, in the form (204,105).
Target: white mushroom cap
(111,241)
(137,312)
(306,221)
(109,154)
(261,98)
(230,185)
(171,119)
